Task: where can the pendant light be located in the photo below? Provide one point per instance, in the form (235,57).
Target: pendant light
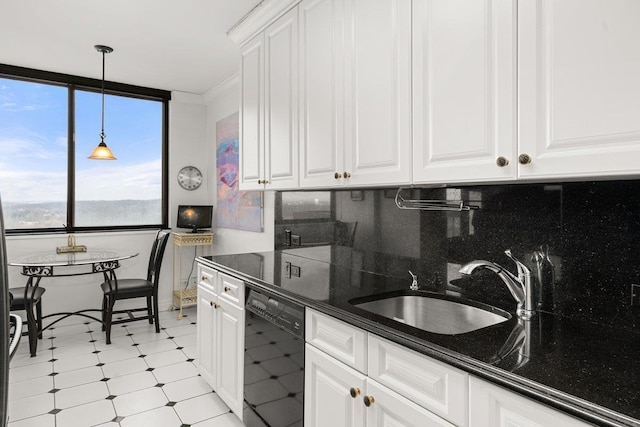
(102,152)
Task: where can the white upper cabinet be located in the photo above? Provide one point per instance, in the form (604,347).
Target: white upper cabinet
(464,90)
(579,87)
(378,92)
(321,91)
(269,109)
(252,114)
(355,100)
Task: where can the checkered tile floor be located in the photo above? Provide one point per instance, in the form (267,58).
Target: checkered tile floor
(141,379)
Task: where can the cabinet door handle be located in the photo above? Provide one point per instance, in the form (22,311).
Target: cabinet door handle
(227,289)
(205,279)
(347,174)
(502,161)
(259,181)
(337,175)
(216,305)
(368,401)
(355,392)
(264,181)
(211,303)
(524,159)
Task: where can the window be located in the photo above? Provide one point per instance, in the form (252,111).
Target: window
(46,181)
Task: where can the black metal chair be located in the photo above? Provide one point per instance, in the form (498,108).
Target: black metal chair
(28,300)
(115,289)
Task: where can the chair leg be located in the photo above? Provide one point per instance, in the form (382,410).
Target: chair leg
(104,313)
(39,318)
(149,311)
(155,311)
(111,302)
(32,329)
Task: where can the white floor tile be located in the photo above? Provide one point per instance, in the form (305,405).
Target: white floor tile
(61,331)
(186,340)
(86,415)
(181,330)
(165,358)
(141,337)
(30,406)
(186,389)
(78,377)
(226,420)
(191,352)
(80,338)
(175,372)
(24,358)
(161,417)
(132,382)
(157,346)
(28,372)
(116,342)
(118,354)
(73,350)
(140,401)
(81,394)
(200,408)
(65,364)
(47,420)
(30,387)
(124,367)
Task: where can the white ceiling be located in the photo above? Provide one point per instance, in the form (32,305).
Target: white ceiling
(164,44)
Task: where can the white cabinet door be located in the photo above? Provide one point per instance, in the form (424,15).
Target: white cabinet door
(207,334)
(493,406)
(355,98)
(321,92)
(579,91)
(389,409)
(230,350)
(327,389)
(251,146)
(464,76)
(377,92)
(281,102)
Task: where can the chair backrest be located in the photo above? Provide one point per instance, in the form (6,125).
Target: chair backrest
(156,256)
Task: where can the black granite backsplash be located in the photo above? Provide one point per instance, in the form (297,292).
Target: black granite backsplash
(580,239)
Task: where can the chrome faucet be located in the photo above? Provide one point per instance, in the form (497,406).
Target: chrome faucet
(521,287)
(414,283)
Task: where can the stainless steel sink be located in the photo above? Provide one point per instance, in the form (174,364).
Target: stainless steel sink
(436,313)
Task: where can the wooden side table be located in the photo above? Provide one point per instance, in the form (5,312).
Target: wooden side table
(187,295)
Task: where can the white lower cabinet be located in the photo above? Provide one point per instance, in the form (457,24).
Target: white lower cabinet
(220,337)
(337,395)
(494,406)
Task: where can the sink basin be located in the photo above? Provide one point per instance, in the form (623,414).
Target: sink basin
(431,312)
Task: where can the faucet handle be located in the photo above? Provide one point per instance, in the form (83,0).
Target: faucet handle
(523,270)
(414,283)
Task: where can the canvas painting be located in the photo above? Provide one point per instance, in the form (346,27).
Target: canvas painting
(241,210)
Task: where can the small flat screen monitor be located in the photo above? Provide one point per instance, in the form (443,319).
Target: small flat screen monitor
(195,218)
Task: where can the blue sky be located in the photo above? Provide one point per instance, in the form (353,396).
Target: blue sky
(33,145)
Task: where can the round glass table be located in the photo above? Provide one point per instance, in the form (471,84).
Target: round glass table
(53,264)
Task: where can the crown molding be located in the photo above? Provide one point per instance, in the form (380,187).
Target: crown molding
(187,98)
(222,88)
(258,18)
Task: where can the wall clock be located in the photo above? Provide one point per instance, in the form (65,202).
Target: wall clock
(190,177)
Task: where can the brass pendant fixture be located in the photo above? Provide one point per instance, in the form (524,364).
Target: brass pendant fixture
(102,152)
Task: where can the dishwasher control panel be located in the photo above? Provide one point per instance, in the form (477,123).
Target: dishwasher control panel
(285,314)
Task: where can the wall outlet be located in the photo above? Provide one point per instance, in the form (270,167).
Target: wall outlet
(295,270)
(635,295)
(287,270)
(295,240)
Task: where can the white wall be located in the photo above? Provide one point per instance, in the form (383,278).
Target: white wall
(222,101)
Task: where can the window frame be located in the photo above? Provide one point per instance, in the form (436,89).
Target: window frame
(73,84)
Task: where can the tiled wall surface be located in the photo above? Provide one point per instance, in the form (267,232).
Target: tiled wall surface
(589,230)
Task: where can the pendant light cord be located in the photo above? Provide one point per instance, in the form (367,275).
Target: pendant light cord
(102,135)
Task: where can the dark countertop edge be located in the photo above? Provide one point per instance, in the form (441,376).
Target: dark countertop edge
(562,401)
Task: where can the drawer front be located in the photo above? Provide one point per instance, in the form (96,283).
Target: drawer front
(338,339)
(231,289)
(433,385)
(207,278)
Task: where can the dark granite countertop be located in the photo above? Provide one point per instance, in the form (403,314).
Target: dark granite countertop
(585,369)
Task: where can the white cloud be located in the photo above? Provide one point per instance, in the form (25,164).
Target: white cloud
(113,181)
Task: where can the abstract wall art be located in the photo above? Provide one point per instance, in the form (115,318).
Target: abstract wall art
(241,210)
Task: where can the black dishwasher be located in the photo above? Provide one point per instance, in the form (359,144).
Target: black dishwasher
(273,360)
